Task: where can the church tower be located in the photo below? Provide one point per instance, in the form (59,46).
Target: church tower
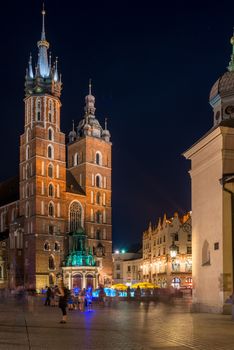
(212,177)
(89,160)
(42,170)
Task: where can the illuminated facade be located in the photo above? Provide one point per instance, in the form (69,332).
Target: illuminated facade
(212,175)
(160,264)
(59,191)
(127,267)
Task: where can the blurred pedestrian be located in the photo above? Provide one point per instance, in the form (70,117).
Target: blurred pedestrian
(48,296)
(62,292)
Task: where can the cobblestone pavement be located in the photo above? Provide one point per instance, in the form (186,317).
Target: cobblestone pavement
(125,325)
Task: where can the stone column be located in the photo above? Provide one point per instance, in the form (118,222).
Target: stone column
(83,280)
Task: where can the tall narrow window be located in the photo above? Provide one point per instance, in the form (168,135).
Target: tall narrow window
(98,217)
(51,263)
(98,198)
(98,181)
(50,170)
(50,134)
(51,190)
(51,209)
(38,109)
(75,216)
(98,158)
(50,152)
(50,111)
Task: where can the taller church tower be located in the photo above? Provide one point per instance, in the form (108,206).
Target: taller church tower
(212,176)
(42,170)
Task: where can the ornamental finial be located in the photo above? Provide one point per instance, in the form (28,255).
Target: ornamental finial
(90,86)
(231,63)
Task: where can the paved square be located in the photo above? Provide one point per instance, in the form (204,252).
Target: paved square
(123,325)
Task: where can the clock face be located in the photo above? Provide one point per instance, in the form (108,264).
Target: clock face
(187,227)
(229,110)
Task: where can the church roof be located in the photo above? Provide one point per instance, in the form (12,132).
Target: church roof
(224,85)
(9,191)
(72,185)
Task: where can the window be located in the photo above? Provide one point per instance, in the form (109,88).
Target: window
(50,153)
(104,234)
(176,237)
(118,276)
(98,198)
(189,250)
(164,251)
(57,247)
(50,170)
(98,217)
(129,268)
(75,216)
(51,209)
(205,253)
(1,272)
(38,110)
(51,229)
(50,134)
(51,263)
(51,190)
(98,181)
(189,237)
(27,135)
(118,267)
(50,111)
(216,246)
(46,246)
(98,158)
(164,239)
(98,234)
(27,210)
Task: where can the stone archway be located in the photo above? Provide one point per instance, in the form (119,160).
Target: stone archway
(77,281)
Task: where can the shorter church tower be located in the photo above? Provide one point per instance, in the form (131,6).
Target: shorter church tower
(89,161)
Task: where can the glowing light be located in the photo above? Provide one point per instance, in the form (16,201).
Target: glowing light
(123,251)
(117,252)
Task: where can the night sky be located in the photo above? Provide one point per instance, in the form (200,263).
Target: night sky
(152,67)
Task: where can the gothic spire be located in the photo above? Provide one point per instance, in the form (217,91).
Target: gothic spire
(30,69)
(43,46)
(231,63)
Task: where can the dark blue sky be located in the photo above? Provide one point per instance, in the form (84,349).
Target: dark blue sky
(152,67)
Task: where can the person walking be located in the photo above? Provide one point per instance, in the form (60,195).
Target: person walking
(62,292)
(48,296)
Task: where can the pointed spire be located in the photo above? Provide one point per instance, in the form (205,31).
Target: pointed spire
(231,63)
(30,70)
(43,46)
(73,125)
(43,22)
(105,123)
(56,77)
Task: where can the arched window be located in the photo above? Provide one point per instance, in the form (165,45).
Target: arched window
(57,247)
(98,158)
(51,209)
(50,170)
(13,214)
(75,159)
(98,181)
(176,282)
(50,152)
(27,190)
(51,134)
(205,253)
(75,216)
(27,152)
(98,198)
(98,217)
(38,109)
(50,111)
(51,190)
(46,246)
(51,263)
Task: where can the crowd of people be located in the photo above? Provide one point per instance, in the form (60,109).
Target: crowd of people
(76,299)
